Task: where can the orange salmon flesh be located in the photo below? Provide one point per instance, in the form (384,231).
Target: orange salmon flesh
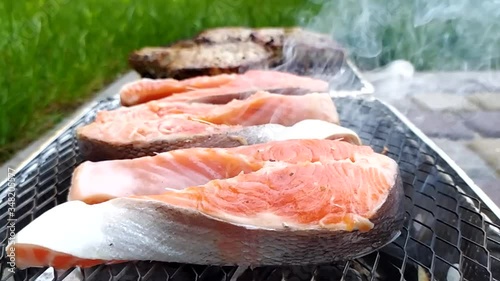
(146,89)
(95,182)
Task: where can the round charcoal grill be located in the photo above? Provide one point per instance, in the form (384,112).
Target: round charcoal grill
(451,232)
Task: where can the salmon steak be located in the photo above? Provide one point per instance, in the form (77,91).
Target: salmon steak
(96,182)
(260,108)
(203,87)
(159,127)
(326,200)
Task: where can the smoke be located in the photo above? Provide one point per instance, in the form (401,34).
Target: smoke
(363,21)
(429,10)
(390,40)
(431,34)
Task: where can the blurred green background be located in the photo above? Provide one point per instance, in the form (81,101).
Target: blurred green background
(55,54)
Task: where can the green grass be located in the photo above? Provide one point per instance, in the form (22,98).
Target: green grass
(55,54)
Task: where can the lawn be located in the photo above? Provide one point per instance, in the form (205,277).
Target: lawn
(57,53)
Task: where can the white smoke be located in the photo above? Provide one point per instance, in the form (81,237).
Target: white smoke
(441,10)
(431,34)
(363,19)
(422,46)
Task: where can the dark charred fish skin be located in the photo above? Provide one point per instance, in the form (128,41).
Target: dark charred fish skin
(238,49)
(98,150)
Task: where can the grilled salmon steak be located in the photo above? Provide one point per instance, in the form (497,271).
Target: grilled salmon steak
(157,127)
(229,85)
(260,108)
(300,202)
(95,182)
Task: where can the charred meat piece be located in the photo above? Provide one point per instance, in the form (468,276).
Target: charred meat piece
(191,59)
(238,49)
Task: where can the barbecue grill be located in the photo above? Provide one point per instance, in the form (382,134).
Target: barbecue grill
(451,231)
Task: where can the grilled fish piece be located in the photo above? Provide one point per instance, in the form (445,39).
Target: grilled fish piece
(98,150)
(236,50)
(95,182)
(260,108)
(229,86)
(309,212)
(149,129)
(190,59)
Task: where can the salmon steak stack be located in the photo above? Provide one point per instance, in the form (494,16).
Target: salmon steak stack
(250,168)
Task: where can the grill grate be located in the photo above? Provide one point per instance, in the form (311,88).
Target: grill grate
(449,233)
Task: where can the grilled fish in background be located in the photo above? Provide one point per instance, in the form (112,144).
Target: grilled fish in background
(311,202)
(238,49)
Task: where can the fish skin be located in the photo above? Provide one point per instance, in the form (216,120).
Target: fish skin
(93,149)
(97,150)
(128,229)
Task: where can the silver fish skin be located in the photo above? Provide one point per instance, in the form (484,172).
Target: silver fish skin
(126,229)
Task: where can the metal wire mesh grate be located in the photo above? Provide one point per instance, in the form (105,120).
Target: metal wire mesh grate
(449,233)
